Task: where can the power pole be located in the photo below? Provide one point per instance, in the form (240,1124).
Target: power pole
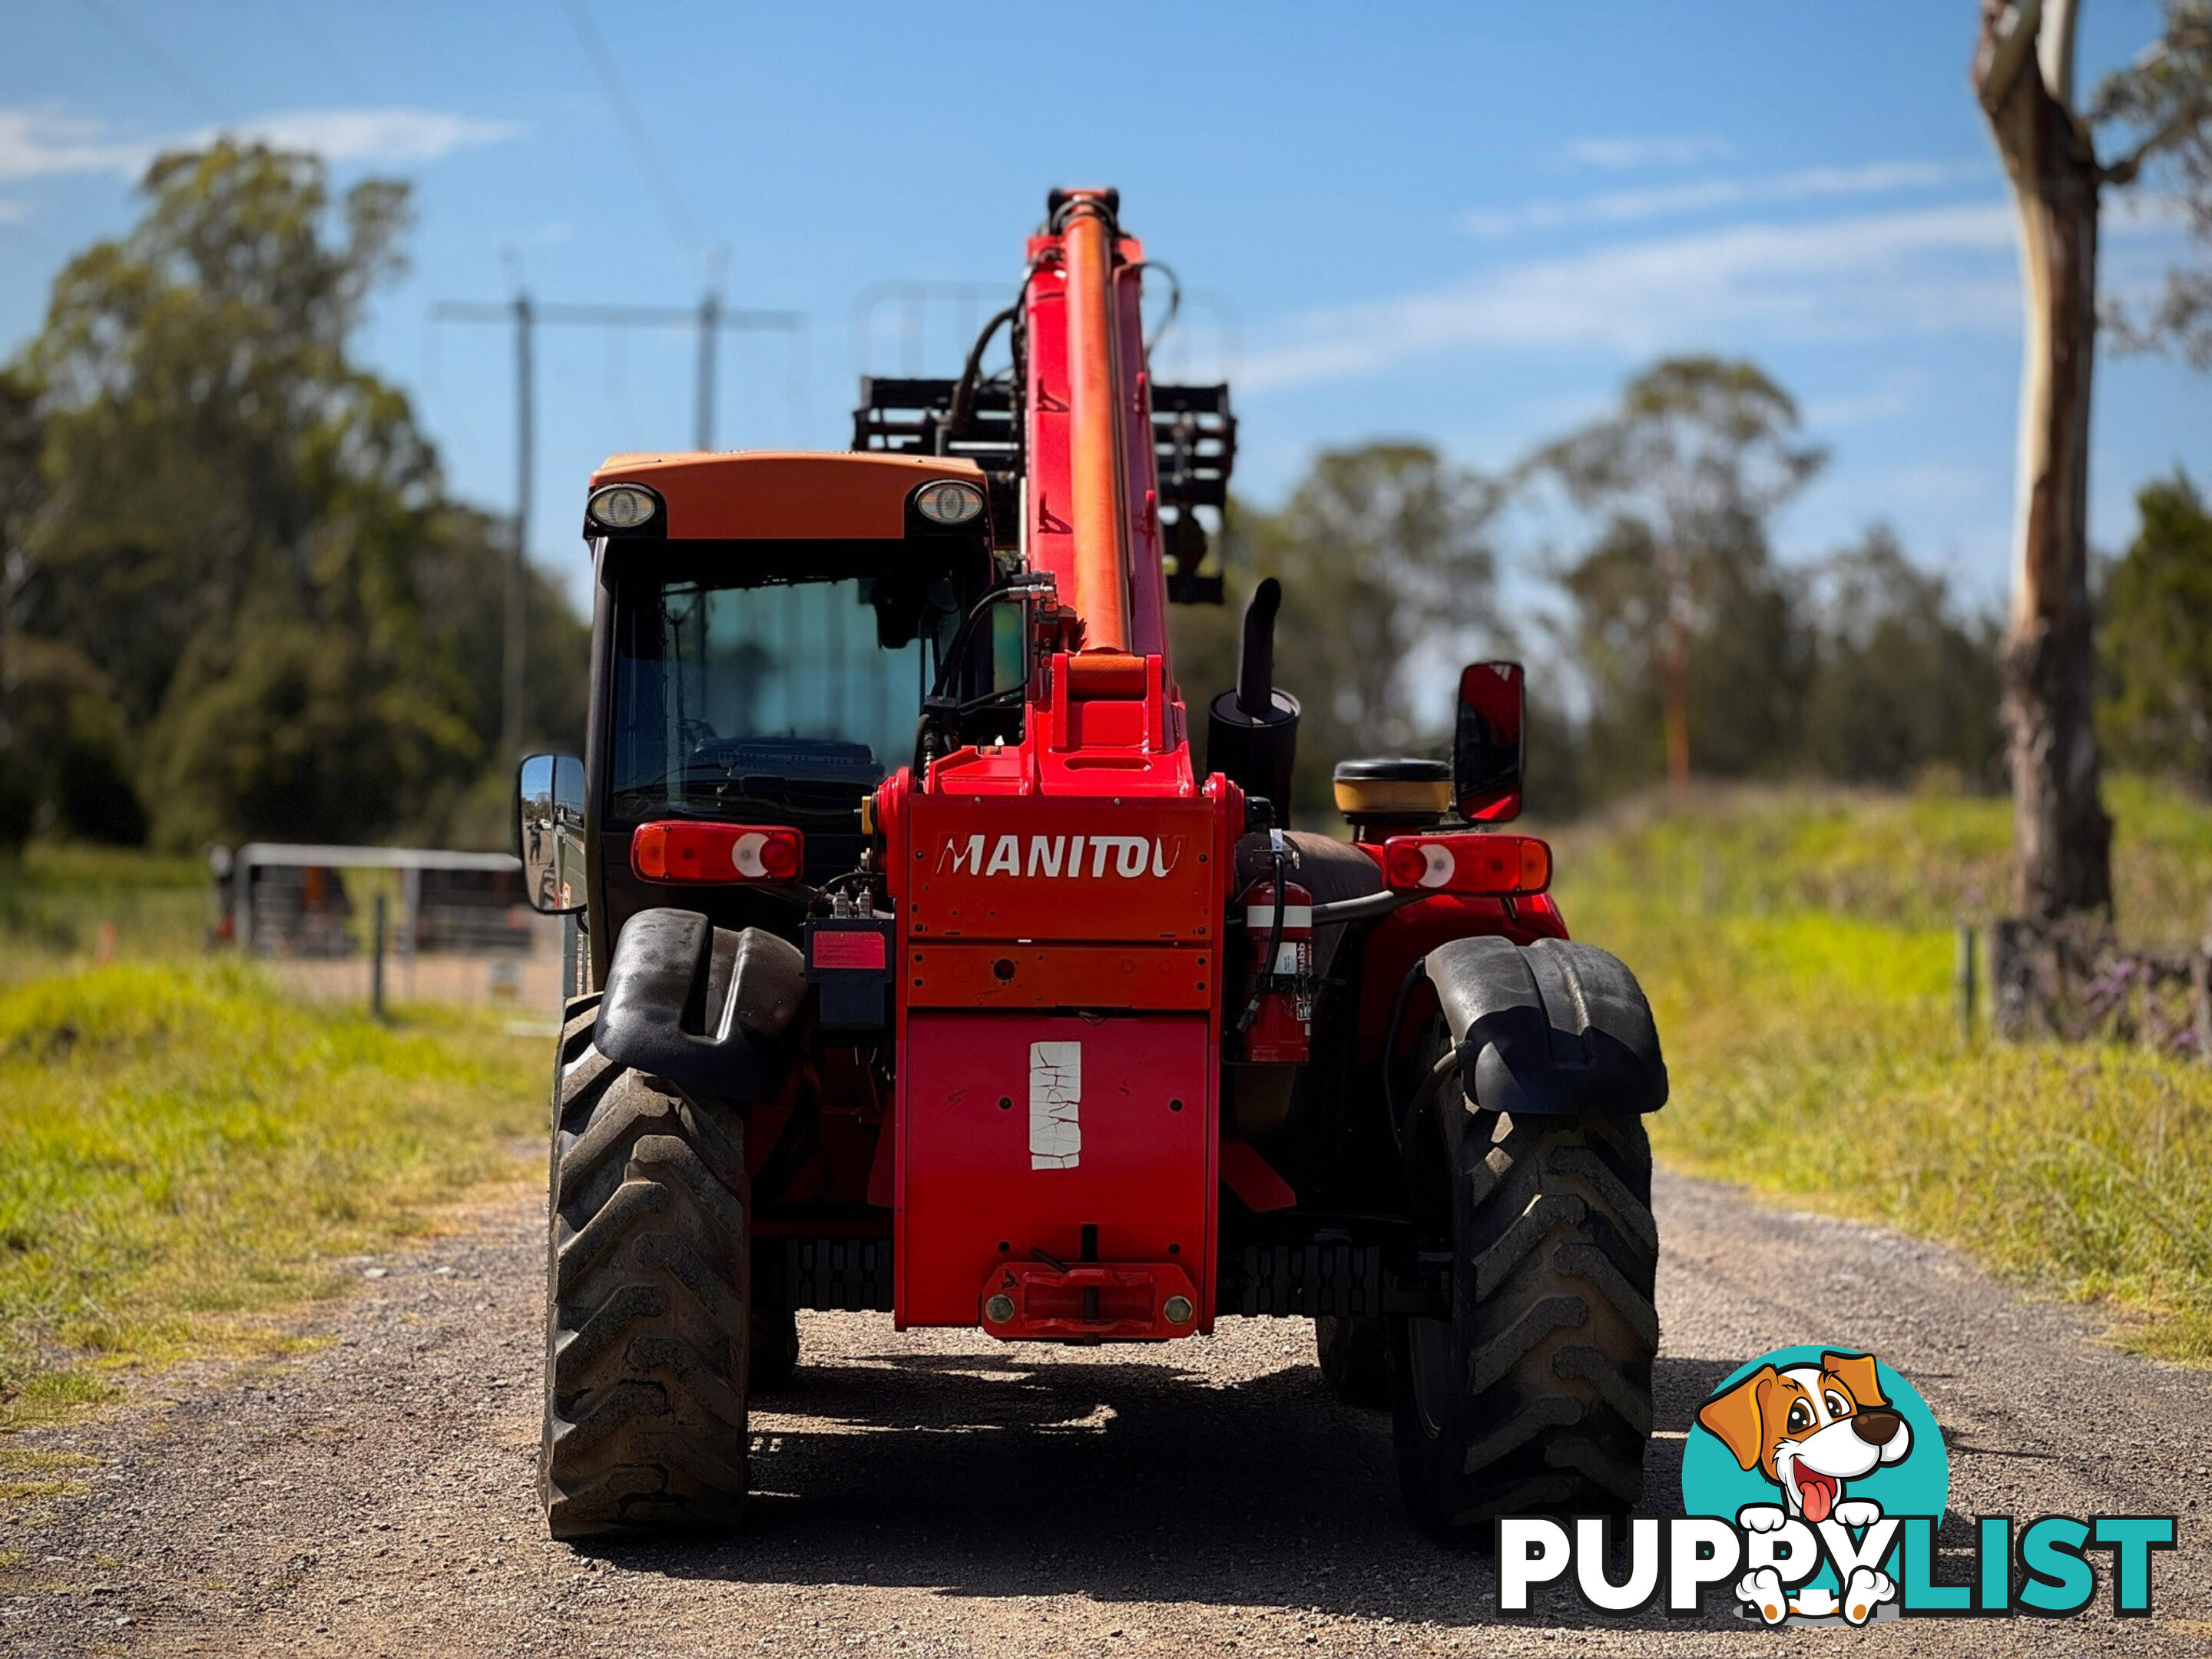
(514,680)
(703,427)
(710,318)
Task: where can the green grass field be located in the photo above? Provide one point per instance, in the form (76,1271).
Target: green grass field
(63,904)
(1800,949)
(183,1153)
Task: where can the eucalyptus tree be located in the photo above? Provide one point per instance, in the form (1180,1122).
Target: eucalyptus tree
(2024,77)
(244,582)
(1384,555)
(1679,483)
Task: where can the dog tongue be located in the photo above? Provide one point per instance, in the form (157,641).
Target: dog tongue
(1818,1494)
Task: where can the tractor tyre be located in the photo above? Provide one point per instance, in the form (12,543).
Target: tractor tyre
(1355,1359)
(1534,1396)
(646,1331)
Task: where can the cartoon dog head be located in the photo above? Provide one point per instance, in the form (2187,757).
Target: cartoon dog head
(1810,1428)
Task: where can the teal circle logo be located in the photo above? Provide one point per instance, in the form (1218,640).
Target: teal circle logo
(1815,1480)
(1816,1434)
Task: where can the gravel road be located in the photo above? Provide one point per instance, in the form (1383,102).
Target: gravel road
(939,1493)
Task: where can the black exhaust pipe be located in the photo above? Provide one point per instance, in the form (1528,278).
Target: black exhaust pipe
(1252,733)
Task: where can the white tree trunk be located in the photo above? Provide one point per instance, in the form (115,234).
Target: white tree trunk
(2023,74)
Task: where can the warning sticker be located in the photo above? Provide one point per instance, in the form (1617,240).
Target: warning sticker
(1056,1093)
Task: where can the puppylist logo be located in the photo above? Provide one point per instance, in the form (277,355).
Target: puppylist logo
(1814,1482)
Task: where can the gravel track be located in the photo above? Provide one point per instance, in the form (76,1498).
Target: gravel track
(941,1493)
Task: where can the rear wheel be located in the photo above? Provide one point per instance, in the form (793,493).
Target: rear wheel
(1534,1396)
(646,1329)
(1355,1359)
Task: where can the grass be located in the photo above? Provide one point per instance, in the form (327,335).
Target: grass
(183,1152)
(1915,861)
(63,902)
(1799,949)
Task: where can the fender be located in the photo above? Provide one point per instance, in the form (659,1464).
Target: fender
(1402,940)
(1552,1027)
(699,1005)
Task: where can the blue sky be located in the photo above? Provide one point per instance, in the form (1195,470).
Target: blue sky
(1464,222)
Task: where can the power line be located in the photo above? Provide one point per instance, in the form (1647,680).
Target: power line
(524,316)
(159,61)
(467,311)
(641,141)
(709,317)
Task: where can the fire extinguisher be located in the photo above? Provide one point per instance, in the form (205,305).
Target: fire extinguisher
(1276,1027)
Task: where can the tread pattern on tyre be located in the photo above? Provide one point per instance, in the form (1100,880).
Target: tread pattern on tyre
(646,1329)
(1555,1323)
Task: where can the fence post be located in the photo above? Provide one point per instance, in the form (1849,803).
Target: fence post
(410,915)
(1966,981)
(376,962)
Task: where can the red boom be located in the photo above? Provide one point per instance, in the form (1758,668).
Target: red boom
(1058,899)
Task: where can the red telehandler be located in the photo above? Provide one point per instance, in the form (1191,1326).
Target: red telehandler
(936,975)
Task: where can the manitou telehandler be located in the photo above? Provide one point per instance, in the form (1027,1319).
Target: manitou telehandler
(936,975)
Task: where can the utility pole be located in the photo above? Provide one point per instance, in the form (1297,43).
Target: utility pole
(703,427)
(710,318)
(514,679)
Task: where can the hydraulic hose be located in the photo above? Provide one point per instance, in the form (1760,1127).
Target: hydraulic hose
(963,392)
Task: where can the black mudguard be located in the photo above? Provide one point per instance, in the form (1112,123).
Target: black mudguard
(1552,1027)
(699,1005)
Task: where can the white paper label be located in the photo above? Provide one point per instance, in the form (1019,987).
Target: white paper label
(1056,1093)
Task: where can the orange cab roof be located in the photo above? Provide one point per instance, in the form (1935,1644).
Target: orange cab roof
(784,495)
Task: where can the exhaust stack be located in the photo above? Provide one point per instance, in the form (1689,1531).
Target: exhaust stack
(1252,733)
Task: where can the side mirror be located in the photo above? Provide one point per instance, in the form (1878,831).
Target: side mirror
(1487,744)
(550,832)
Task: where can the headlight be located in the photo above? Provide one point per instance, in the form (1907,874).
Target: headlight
(622,507)
(949,501)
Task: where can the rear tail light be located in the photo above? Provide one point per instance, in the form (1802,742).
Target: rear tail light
(716,852)
(1497,865)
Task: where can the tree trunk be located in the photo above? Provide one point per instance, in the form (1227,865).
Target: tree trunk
(2062,838)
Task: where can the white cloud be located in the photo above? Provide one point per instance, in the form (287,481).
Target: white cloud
(1893,395)
(44,142)
(37,143)
(2140,209)
(1808,183)
(1932,270)
(1619,154)
(375,135)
